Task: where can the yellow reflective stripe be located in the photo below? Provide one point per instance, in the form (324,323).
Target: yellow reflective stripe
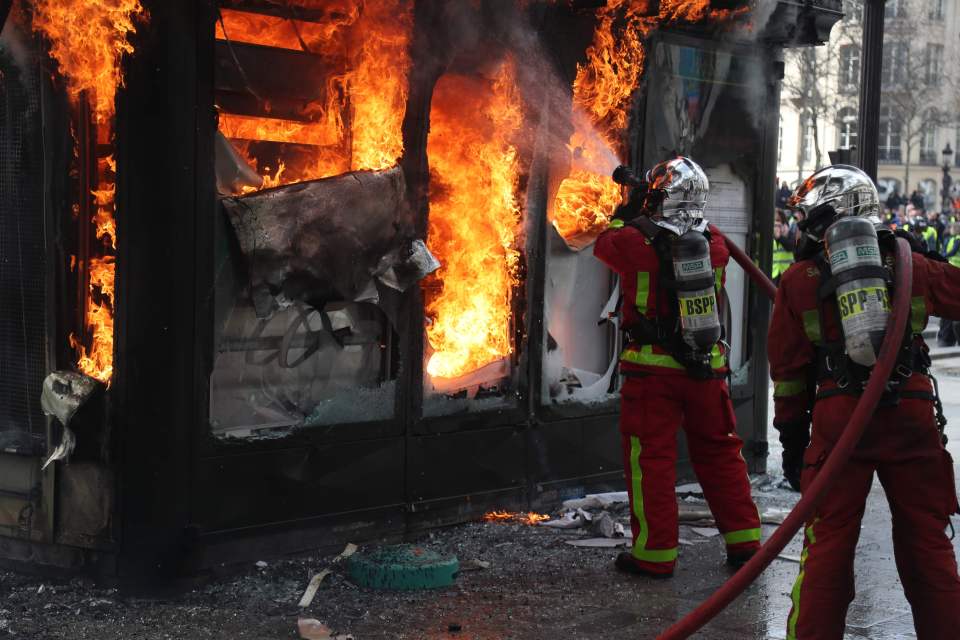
(798,585)
(636,488)
(787,388)
(795,598)
(643,291)
(718,277)
(918,314)
(811,325)
(615,224)
(640,551)
(717,358)
(744,535)
(655,555)
(645,356)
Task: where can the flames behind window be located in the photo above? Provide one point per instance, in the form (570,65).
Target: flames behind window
(307,90)
(88,39)
(603,94)
(339,105)
(474,223)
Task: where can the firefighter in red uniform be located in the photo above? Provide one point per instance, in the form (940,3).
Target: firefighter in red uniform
(828,322)
(671,266)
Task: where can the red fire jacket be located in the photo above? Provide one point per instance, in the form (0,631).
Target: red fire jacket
(631,255)
(795,330)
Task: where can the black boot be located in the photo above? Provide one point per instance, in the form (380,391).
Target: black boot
(626,563)
(737,559)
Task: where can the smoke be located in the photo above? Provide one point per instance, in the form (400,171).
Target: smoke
(592,152)
(755,91)
(14,43)
(541,83)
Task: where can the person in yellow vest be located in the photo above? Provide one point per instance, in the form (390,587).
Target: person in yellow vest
(929,234)
(782,247)
(948,334)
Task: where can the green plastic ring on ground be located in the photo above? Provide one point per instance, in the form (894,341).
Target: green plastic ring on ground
(403,567)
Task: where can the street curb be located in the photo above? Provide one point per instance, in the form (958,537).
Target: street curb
(945,355)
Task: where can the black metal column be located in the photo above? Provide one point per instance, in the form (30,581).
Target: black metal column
(870,72)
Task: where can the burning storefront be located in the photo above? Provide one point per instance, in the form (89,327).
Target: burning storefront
(328,261)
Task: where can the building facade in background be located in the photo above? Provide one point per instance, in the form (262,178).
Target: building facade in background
(920,109)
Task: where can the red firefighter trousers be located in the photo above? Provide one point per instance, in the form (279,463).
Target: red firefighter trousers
(902,445)
(653,408)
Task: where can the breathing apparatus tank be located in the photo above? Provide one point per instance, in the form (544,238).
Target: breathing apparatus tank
(696,293)
(863,302)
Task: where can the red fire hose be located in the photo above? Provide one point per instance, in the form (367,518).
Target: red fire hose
(896,326)
(759,277)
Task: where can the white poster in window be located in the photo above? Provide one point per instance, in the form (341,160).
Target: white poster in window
(727,202)
(727,208)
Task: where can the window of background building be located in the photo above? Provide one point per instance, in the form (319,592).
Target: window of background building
(956,146)
(929,191)
(886,187)
(936,10)
(780,146)
(934,63)
(847,128)
(889,145)
(894,9)
(849,67)
(928,138)
(894,62)
(806,144)
(928,143)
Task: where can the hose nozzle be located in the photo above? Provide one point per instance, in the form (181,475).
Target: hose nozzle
(627,177)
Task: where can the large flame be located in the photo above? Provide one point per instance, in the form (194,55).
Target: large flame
(88,39)
(358,125)
(474,220)
(603,91)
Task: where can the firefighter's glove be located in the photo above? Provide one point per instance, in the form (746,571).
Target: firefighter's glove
(794,436)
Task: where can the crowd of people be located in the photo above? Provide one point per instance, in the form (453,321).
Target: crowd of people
(937,231)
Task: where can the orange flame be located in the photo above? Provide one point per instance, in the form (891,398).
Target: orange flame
(474,220)
(529,517)
(278,130)
(282,33)
(603,90)
(88,39)
(358,126)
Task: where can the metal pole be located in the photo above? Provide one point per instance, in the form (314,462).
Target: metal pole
(870,75)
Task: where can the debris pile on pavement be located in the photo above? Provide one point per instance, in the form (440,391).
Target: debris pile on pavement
(602,520)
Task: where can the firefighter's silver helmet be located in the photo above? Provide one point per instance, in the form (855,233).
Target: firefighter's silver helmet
(683,186)
(847,190)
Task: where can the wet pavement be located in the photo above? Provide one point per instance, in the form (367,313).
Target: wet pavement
(536,586)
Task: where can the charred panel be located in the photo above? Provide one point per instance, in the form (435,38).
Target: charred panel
(464,464)
(245,68)
(23,324)
(295,484)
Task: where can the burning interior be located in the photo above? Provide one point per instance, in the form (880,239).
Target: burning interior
(365,298)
